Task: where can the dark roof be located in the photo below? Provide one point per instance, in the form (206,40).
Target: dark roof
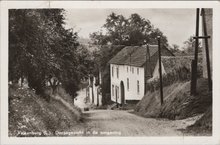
(133,55)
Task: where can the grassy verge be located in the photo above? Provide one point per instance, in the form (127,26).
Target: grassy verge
(203,126)
(31,115)
(178,103)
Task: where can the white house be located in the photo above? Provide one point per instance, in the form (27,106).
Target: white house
(130,69)
(93,91)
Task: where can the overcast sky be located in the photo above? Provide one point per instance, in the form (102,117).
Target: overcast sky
(176,24)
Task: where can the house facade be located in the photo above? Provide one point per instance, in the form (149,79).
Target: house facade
(93,91)
(130,69)
(126,81)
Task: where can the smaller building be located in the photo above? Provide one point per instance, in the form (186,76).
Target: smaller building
(93,91)
(174,63)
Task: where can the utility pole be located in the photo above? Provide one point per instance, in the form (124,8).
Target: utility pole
(160,71)
(148,53)
(195,61)
(147,67)
(116,89)
(145,74)
(206,49)
(145,71)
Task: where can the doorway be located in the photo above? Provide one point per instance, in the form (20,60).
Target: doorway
(122,93)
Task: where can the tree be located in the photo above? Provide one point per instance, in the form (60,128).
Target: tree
(134,30)
(120,32)
(189,46)
(42,50)
(86,61)
(175,49)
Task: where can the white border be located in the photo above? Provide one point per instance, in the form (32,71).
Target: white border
(5,5)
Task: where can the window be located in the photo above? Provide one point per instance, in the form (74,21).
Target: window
(138,71)
(113,90)
(112,71)
(127,83)
(138,87)
(127,68)
(117,72)
(132,70)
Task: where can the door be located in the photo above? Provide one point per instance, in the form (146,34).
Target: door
(122,93)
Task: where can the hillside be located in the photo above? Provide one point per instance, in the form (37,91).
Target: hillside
(31,115)
(202,126)
(178,103)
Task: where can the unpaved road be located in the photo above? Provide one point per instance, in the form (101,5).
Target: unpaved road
(124,123)
(80,99)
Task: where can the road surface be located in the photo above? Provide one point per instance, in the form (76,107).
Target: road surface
(125,123)
(80,99)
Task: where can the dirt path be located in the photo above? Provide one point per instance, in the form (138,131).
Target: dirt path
(124,123)
(80,99)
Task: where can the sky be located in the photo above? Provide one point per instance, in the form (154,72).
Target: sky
(177,24)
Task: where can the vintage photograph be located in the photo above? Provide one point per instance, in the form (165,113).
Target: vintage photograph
(110,72)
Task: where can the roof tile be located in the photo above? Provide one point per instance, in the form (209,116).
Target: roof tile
(133,55)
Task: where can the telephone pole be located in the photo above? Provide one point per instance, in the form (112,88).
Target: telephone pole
(195,61)
(160,71)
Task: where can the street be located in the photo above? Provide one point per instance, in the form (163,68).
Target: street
(80,99)
(125,123)
(128,124)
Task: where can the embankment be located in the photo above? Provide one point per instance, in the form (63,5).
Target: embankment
(32,115)
(178,103)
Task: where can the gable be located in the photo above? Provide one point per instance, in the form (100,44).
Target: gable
(150,65)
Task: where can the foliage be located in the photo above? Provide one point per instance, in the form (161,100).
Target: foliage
(42,50)
(86,61)
(189,46)
(175,49)
(29,114)
(134,30)
(178,103)
(120,32)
